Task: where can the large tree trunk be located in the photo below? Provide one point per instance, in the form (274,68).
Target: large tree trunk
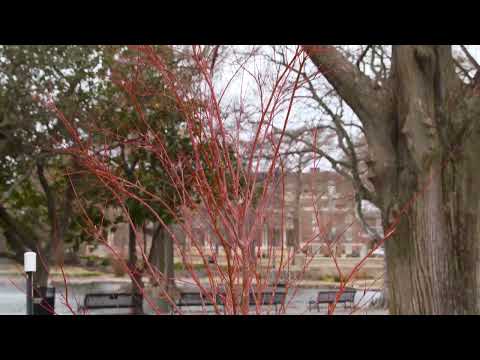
(433,255)
(40,279)
(20,240)
(161,258)
(137,282)
(421,130)
(169,270)
(158,252)
(156,256)
(383,301)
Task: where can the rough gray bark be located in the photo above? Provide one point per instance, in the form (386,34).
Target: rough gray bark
(161,258)
(169,270)
(156,255)
(162,255)
(421,132)
(137,282)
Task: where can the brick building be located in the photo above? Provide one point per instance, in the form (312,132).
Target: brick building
(318,207)
(309,210)
(322,205)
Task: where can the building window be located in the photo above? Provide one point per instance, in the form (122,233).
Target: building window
(331,195)
(265,237)
(378,226)
(331,189)
(349,234)
(110,238)
(333,234)
(315,225)
(349,231)
(289,221)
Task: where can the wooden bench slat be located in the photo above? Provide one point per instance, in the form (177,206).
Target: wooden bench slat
(330,297)
(196,298)
(109,301)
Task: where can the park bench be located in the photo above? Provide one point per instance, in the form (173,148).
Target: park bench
(329,296)
(102,301)
(196,298)
(268,297)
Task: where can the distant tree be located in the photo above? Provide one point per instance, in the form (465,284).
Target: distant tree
(37,197)
(135,108)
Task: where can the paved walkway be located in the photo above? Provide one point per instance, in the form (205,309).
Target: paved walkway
(12,299)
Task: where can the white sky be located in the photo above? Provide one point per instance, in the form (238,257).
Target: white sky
(243,89)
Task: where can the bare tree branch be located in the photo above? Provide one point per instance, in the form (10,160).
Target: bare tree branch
(366,99)
(362,55)
(470,57)
(214,57)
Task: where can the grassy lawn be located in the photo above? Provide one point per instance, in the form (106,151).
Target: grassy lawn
(69,271)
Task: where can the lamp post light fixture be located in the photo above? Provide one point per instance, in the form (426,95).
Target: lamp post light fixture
(30,266)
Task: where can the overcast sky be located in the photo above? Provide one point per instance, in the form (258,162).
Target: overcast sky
(243,88)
